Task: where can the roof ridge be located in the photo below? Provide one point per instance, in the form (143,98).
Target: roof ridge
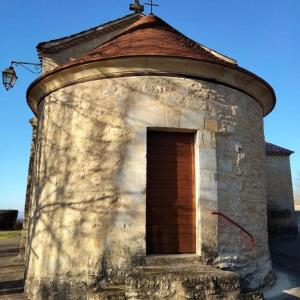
(133,27)
(154,22)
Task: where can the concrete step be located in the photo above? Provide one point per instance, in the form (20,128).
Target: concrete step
(182,281)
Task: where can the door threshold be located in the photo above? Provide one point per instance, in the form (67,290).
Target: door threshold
(173,255)
(170,259)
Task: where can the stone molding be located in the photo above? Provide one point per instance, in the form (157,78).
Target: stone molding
(230,76)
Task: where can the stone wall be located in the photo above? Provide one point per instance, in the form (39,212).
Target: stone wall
(241,192)
(281,211)
(24,235)
(88,211)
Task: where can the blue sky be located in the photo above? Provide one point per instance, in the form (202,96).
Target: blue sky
(264,36)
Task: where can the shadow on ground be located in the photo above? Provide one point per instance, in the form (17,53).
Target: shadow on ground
(11,270)
(285,252)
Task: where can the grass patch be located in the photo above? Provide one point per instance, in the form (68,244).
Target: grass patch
(9,234)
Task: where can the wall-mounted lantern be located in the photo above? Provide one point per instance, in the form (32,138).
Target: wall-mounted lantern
(9,76)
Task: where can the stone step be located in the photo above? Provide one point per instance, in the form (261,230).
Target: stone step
(172,259)
(182,281)
(12,291)
(252,296)
(114,292)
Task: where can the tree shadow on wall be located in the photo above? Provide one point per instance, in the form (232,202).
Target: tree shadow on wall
(75,201)
(75,197)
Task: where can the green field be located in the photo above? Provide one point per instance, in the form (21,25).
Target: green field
(9,234)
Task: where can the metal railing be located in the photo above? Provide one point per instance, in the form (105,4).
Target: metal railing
(243,232)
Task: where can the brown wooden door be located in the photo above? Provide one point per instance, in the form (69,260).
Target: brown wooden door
(170,193)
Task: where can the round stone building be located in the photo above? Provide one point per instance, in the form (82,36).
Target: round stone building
(149,152)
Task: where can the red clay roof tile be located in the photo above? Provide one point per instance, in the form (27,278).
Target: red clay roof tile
(150,36)
(272,149)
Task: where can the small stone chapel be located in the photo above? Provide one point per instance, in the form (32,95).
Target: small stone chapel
(147,170)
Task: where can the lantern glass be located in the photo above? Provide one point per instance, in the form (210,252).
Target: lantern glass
(9,78)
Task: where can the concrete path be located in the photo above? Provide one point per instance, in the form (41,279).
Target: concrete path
(286,264)
(11,270)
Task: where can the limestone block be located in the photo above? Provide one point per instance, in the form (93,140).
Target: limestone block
(225,165)
(207,159)
(207,139)
(208,179)
(172,117)
(146,114)
(131,178)
(111,134)
(135,153)
(192,119)
(208,199)
(211,125)
(232,184)
(125,219)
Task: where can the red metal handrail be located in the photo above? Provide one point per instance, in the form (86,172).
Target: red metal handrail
(252,243)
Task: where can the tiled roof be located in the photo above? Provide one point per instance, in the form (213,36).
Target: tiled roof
(151,36)
(272,149)
(59,44)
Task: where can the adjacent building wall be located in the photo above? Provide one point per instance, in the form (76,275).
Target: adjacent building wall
(281,211)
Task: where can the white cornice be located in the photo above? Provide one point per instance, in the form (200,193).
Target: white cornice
(232,76)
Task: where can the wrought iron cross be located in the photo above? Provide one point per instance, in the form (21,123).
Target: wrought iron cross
(136,7)
(151,4)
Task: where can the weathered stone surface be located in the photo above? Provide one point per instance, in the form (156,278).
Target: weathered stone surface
(281,211)
(163,260)
(88,213)
(109,293)
(29,187)
(252,296)
(211,125)
(181,281)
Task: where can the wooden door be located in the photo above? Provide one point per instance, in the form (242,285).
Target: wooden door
(170,220)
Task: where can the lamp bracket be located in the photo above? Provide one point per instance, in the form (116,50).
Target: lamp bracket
(34,68)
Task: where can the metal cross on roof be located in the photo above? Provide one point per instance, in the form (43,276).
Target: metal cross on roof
(151,4)
(136,7)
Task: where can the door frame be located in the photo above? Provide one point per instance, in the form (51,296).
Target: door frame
(196,185)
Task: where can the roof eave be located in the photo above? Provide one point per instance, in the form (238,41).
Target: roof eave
(51,45)
(274,150)
(233,67)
